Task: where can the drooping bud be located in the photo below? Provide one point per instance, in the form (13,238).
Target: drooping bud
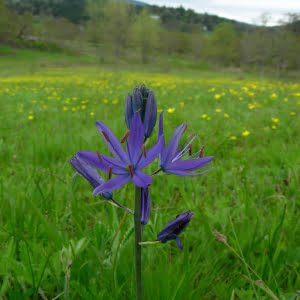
(142,101)
(145,206)
(174,228)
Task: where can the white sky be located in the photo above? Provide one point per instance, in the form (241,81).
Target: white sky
(248,11)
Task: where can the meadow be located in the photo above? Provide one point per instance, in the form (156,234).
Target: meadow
(58,240)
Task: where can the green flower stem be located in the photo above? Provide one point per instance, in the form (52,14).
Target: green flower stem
(137,246)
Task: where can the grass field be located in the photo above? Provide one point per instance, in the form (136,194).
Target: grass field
(57,239)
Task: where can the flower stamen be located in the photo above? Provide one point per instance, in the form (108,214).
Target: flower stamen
(201,154)
(125,136)
(190,149)
(184,150)
(99,157)
(131,170)
(109,172)
(144,150)
(106,136)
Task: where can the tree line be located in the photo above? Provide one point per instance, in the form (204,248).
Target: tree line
(118,31)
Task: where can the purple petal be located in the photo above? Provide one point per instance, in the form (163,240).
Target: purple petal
(136,139)
(145,206)
(112,184)
(85,170)
(137,100)
(128,110)
(161,124)
(171,150)
(93,159)
(150,115)
(175,227)
(102,162)
(178,243)
(141,179)
(151,154)
(189,164)
(112,143)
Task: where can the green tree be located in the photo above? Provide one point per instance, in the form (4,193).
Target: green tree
(224,45)
(256,48)
(109,24)
(4,21)
(117,24)
(145,33)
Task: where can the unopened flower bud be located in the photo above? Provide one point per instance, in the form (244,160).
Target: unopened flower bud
(142,101)
(137,100)
(150,115)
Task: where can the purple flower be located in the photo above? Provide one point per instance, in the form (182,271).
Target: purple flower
(93,177)
(125,165)
(174,228)
(90,174)
(170,156)
(143,101)
(145,205)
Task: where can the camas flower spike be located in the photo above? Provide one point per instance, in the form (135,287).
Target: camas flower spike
(126,165)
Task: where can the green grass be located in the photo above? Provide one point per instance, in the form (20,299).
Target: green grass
(53,230)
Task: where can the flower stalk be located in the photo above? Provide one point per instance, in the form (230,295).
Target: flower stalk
(137,240)
(128,163)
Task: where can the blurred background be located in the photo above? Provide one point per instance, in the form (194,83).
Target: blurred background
(261,37)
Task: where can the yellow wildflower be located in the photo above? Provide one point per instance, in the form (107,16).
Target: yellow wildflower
(233,137)
(251,106)
(245,133)
(30,117)
(218,110)
(275,120)
(273,96)
(171,110)
(292,113)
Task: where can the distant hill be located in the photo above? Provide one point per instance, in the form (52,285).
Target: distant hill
(187,20)
(138,3)
(176,19)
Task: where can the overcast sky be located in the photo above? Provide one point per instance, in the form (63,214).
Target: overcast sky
(242,10)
